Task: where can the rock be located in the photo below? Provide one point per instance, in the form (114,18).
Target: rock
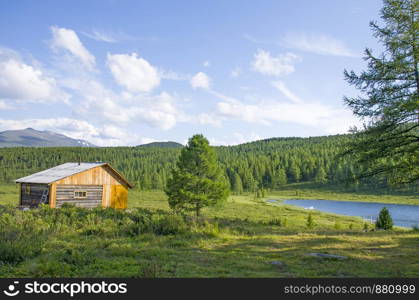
(325,255)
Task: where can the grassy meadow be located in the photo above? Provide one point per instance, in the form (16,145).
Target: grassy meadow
(245,238)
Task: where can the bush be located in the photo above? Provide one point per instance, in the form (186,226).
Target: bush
(310,221)
(384,220)
(338,226)
(21,236)
(276,221)
(168,224)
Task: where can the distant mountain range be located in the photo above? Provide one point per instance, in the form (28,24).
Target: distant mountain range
(30,137)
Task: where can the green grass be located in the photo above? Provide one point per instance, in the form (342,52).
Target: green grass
(240,239)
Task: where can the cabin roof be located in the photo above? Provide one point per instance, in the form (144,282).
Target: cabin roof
(65,170)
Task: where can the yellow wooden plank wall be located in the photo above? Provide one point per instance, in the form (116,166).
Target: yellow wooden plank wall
(100,175)
(52,195)
(96,176)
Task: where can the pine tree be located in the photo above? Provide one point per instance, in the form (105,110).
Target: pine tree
(384,220)
(390,100)
(279,178)
(320,176)
(294,172)
(197,181)
(237,184)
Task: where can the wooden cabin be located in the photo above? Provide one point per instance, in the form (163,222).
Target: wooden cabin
(81,184)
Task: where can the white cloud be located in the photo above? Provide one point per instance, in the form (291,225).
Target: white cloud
(236,138)
(200,80)
(317,43)
(286,92)
(68,40)
(202,119)
(100,36)
(133,72)
(206,63)
(171,75)
(283,64)
(115,36)
(23,82)
(4,105)
(330,120)
(159,111)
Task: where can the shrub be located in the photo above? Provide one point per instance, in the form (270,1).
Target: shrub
(310,221)
(276,221)
(338,226)
(384,220)
(210,229)
(21,236)
(168,224)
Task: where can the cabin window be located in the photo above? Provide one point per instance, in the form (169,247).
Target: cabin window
(80,194)
(27,189)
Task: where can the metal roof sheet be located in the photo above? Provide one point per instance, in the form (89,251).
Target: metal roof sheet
(58,172)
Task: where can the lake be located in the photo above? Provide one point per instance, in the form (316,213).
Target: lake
(402,214)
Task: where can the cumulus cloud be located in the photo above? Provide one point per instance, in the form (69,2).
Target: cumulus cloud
(67,40)
(133,72)
(282,64)
(206,63)
(317,43)
(22,82)
(99,102)
(200,80)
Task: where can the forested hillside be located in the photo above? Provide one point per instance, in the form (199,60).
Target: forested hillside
(266,163)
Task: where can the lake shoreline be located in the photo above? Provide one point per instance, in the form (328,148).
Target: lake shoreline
(404,215)
(354,197)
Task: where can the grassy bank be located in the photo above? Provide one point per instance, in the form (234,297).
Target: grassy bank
(245,238)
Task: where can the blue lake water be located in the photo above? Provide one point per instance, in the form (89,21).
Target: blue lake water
(402,214)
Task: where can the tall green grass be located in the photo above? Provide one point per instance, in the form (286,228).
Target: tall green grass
(241,239)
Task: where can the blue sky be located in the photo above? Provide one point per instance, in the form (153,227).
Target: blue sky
(132,72)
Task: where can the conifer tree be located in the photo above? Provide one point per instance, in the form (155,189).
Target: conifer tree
(237,184)
(384,220)
(197,181)
(389,101)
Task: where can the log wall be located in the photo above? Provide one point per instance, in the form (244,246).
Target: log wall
(65,194)
(33,198)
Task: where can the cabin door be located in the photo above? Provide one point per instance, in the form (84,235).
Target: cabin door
(119,197)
